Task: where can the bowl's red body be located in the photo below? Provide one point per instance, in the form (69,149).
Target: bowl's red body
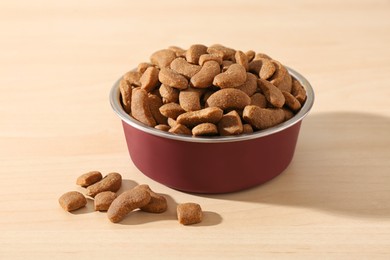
(211,167)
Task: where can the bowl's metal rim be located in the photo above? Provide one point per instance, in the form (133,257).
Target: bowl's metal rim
(117,107)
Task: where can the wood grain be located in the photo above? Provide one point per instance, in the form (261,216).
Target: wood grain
(58,61)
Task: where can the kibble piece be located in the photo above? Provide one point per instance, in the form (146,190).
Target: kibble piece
(250,54)
(288,114)
(242,59)
(298,91)
(264,68)
(229,98)
(180,129)
(194,52)
(155,103)
(247,129)
(163,127)
(178,51)
(173,79)
(230,124)
(142,67)
(157,204)
(262,118)
(205,115)
(163,58)
(281,78)
(262,56)
(89,178)
(133,78)
(127,202)
(205,129)
(259,100)
(126,91)
(172,110)
(111,182)
(171,122)
(103,200)
(208,57)
(189,213)
(149,79)
(72,200)
(226,64)
(291,101)
(140,109)
(204,78)
(220,50)
(250,85)
(185,68)
(189,99)
(273,94)
(169,94)
(233,77)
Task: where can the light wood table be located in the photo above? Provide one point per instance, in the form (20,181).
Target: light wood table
(58,61)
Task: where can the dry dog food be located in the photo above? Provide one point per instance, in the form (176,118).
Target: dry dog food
(72,200)
(89,178)
(103,200)
(177,82)
(189,213)
(141,197)
(127,202)
(157,204)
(111,182)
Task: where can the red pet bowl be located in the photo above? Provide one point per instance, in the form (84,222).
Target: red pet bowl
(212,164)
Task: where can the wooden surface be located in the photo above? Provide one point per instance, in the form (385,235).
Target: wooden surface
(58,61)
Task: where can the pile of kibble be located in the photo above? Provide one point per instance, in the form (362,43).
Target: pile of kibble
(206,91)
